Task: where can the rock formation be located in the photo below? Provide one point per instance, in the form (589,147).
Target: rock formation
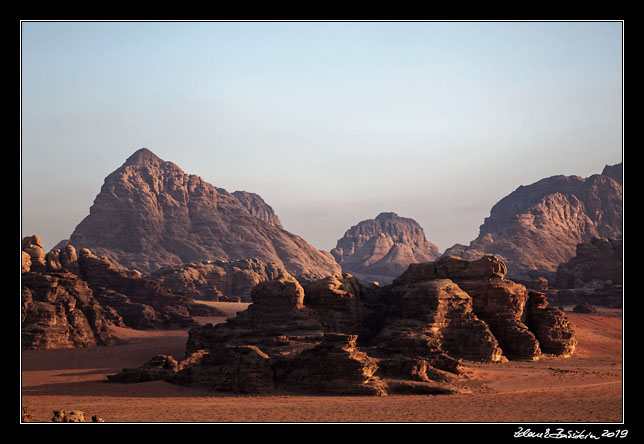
(615,171)
(336,336)
(593,276)
(217,280)
(68,299)
(380,249)
(150,214)
(536,227)
(256,206)
(58,308)
(595,264)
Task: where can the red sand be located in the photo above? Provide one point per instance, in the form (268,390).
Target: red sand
(586,387)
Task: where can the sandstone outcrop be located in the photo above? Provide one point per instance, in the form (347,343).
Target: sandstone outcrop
(149,214)
(217,280)
(337,336)
(521,320)
(593,276)
(68,299)
(537,227)
(595,264)
(58,309)
(380,249)
(71,416)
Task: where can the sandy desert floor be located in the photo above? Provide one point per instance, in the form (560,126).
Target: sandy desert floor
(585,388)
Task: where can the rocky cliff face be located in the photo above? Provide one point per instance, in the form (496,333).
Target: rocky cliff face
(256,206)
(537,227)
(59,309)
(336,336)
(380,249)
(69,298)
(595,264)
(150,214)
(593,276)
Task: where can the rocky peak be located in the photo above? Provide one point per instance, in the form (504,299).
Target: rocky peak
(614,171)
(537,227)
(150,214)
(257,207)
(380,249)
(143,156)
(386,216)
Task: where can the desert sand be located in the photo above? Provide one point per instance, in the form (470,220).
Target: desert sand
(584,388)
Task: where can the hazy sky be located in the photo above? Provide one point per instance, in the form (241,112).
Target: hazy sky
(330,122)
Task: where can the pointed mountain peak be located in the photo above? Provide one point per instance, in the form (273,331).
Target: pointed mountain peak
(142,156)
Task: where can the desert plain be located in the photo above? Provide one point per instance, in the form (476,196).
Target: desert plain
(584,388)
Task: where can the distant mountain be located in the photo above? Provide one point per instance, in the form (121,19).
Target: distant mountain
(381,249)
(150,214)
(537,227)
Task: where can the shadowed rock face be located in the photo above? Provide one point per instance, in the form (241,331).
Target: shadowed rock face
(595,263)
(380,249)
(217,280)
(150,214)
(69,298)
(59,309)
(537,227)
(334,335)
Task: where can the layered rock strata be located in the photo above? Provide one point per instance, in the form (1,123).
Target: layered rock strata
(335,335)
(149,214)
(596,264)
(380,249)
(593,276)
(537,227)
(69,298)
(59,309)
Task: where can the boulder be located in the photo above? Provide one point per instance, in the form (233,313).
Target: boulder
(595,264)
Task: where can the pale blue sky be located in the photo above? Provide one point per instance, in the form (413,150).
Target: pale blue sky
(330,122)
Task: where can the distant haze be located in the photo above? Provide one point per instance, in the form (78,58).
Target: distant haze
(330,122)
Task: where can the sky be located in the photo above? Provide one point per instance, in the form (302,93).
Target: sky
(330,122)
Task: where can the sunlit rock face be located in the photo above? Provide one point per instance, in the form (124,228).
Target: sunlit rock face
(380,249)
(537,227)
(149,214)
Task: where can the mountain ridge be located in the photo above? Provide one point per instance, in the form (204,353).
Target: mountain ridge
(149,214)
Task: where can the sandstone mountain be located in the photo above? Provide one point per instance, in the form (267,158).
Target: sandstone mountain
(537,227)
(337,336)
(150,214)
(380,249)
